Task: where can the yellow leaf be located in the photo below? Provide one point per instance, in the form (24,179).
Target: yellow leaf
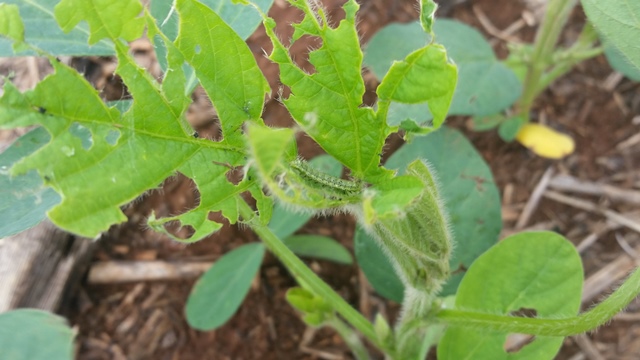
(545,142)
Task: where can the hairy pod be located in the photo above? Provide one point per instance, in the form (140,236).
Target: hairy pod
(419,243)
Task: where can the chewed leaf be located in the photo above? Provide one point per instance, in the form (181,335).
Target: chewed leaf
(426,75)
(327,103)
(427,14)
(11,25)
(42,31)
(123,16)
(25,199)
(120,155)
(485,85)
(545,142)
(224,65)
(539,271)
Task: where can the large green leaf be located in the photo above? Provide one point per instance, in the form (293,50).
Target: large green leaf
(129,153)
(620,63)
(470,196)
(538,271)
(30,334)
(25,198)
(220,291)
(42,31)
(327,103)
(485,85)
(225,66)
(619,22)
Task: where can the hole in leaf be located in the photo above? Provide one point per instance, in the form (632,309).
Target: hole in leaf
(459,270)
(516,342)
(178,230)
(524,312)
(234,175)
(202,115)
(197,49)
(217,217)
(306,45)
(112,137)
(83,134)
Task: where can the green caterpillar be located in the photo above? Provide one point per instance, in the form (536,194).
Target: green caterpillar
(330,184)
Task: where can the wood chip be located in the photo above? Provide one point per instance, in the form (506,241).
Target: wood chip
(111,272)
(534,200)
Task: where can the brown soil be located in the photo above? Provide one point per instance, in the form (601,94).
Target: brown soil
(146,320)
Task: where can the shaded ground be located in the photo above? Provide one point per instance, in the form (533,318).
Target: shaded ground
(146,321)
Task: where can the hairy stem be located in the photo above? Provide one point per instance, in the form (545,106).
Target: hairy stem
(589,320)
(308,278)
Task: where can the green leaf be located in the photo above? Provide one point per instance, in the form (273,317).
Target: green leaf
(219,292)
(327,103)
(619,22)
(269,146)
(427,14)
(538,271)
(114,20)
(224,65)
(377,267)
(425,75)
(129,153)
(470,196)
(25,198)
(619,63)
(42,31)
(11,25)
(29,334)
(485,85)
(390,198)
(242,19)
(286,221)
(319,247)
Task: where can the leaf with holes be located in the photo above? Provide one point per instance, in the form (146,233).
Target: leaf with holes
(535,271)
(128,153)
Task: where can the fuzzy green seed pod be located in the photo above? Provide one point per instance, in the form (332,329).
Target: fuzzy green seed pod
(419,243)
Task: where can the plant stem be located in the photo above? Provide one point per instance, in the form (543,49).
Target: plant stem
(549,327)
(308,278)
(350,337)
(547,37)
(582,50)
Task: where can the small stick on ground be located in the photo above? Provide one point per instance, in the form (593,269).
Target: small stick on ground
(534,200)
(504,35)
(571,184)
(587,347)
(112,272)
(588,206)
